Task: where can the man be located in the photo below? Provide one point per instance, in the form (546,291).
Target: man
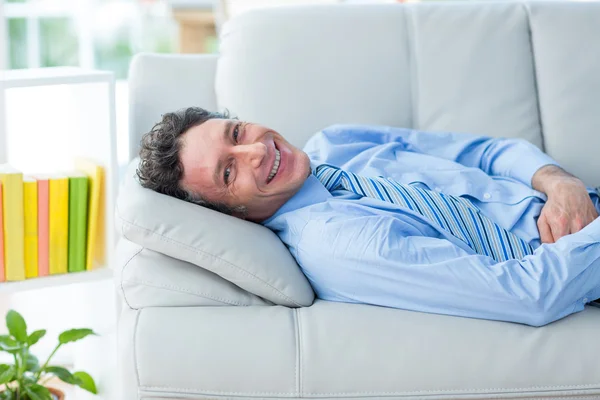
(436,222)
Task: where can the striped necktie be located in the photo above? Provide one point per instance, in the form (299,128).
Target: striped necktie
(455,214)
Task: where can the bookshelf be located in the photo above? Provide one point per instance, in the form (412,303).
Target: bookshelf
(79,122)
(55,280)
(48,117)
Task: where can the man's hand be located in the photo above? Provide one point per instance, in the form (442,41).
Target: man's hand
(569,207)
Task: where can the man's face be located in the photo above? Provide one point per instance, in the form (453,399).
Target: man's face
(242,164)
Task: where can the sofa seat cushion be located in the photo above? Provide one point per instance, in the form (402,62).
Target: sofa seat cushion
(244,253)
(341,350)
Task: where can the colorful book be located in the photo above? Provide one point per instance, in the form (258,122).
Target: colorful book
(96,246)
(58,224)
(43,203)
(14,234)
(30,210)
(2,272)
(78,206)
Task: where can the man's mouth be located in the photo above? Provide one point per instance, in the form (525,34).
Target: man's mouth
(275,166)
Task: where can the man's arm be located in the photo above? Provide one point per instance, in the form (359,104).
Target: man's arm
(568,209)
(510,157)
(370,259)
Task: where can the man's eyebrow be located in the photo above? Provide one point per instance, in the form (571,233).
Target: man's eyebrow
(218,180)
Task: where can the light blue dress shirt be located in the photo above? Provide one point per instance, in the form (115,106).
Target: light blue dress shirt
(363,250)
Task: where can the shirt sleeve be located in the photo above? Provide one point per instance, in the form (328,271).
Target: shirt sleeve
(369,259)
(510,157)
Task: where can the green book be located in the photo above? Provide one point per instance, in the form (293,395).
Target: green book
(78,210)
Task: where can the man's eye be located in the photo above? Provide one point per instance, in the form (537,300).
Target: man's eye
(236,133)
(226,174)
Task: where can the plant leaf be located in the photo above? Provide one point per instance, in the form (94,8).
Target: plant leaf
(37,392)
(32,363)
(7,373)
(36,336)
(29,378)
(9,344)
(74,335)
(86,382)
(16,326)
(61,373)
(6,395)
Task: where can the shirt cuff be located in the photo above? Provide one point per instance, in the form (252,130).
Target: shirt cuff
(526,167)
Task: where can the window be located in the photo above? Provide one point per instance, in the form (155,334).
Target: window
(17,45)
(102,34)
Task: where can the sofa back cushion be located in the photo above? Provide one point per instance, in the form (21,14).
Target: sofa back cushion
(473,67)
(567,59)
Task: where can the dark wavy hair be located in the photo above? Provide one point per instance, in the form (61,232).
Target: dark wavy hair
(160,168)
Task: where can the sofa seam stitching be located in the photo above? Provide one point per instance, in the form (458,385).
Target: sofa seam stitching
(123,270)
(176,288)
(527,9)
(475,391)
(300,376)
(412,66)
(296,381)
(197,251)
(135,357)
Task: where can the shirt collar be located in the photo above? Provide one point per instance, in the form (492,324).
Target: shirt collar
(311,192)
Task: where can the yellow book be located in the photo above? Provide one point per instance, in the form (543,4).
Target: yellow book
(58,224)
(14,231)
(30,208)
(96,246)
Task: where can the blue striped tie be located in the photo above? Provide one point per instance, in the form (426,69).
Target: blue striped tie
(455,214)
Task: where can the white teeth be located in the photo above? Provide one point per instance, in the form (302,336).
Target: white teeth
(275,165)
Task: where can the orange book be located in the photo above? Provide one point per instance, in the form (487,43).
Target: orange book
(43,256)
(2,272)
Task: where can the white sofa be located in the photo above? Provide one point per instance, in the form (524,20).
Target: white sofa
(201,319)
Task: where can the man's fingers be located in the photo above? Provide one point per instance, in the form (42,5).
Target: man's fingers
(559,228)
(577,224)
(545,231)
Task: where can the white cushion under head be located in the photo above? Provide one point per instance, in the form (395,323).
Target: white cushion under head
(244,253)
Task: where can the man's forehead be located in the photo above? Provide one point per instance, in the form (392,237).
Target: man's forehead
(212,126)
(199,156)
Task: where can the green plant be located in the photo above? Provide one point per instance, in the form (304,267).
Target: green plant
(24,379)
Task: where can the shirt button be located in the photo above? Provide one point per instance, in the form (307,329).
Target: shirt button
(486,196)
(438,189)
(585,300)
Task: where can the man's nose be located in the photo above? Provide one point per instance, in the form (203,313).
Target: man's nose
(253,153)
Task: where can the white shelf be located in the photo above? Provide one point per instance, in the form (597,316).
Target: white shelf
(56,280)
(52,76)
(82,124)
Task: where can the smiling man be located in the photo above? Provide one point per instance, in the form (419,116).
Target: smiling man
(447,223)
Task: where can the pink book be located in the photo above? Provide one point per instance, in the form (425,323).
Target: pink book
(2,271)
(43,256)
